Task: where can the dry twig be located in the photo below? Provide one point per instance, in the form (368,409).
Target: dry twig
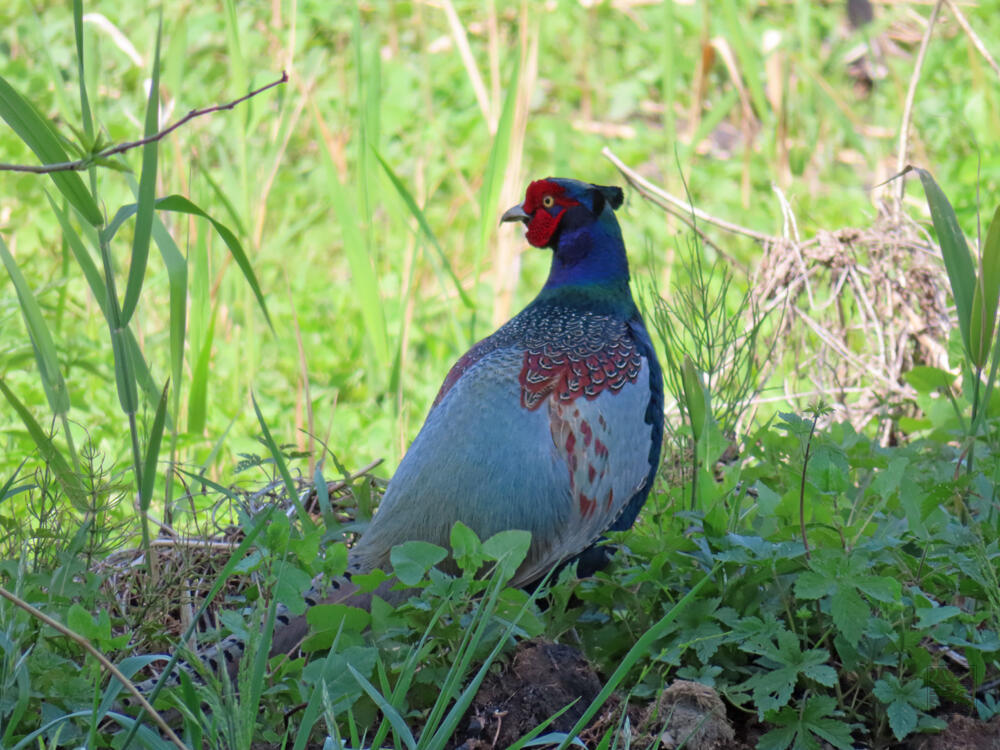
(86,163)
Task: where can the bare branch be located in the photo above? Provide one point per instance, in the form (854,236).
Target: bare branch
(86,163)
(649,190)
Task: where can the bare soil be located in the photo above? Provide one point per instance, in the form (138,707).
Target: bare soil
(543,677)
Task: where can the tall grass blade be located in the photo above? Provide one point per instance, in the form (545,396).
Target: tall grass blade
(198,395)
(279,461)
(65,475)
(696,399)
(180,204)
(88,119)
(954,251)
(177,279)
(388,711)
(153,452)
(362,272)
(986,295)
(418,214)
(147,191)
(489,193)
(83,258)
(35,131)
(41,340)
(15,706)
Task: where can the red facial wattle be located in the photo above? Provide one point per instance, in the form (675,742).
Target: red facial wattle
(542,226)
(545,218)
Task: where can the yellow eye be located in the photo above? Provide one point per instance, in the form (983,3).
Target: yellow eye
(548,201)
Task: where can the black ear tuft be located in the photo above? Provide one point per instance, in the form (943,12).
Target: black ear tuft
(612,194)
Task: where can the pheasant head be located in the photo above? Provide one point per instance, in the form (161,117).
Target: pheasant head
(577,221)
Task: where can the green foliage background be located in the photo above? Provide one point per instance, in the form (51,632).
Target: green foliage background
(388,78)
(365,192)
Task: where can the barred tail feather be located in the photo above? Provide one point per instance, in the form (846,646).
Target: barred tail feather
(289,632)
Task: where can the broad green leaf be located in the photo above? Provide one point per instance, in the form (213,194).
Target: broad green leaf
(928,617)
(881,588)
(147,192)
(927,379)
(41,340)
(902,718)
(810,585)
(850,613)
(986,295)
(412,560)
(34,130)
(466,547)
(954,250)
(509,548)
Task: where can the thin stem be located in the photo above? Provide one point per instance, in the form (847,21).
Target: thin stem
(802,488)
(86,163)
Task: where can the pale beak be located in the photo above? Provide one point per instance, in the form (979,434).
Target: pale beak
(516,213)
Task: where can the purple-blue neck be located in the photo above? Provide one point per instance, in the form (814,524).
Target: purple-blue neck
(590,254)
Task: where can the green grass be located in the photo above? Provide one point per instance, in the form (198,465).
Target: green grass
(364,194)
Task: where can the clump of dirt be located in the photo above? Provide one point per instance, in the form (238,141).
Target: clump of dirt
(540,679)
(962,733)
(543,677)
(688,714)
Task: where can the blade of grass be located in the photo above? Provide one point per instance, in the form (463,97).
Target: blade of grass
(46,356)
(198,393)
(41,340)
(88,119)
(391,714)
(496,166)
(83,258)
(362,273)
(153,452)
(37,134)
(986,295)
(67,478)
(147,191)
(181,204)
(279,461)
(954,251)
(418,214)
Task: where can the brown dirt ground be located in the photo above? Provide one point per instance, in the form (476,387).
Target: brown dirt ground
(542,677)
(962,733)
